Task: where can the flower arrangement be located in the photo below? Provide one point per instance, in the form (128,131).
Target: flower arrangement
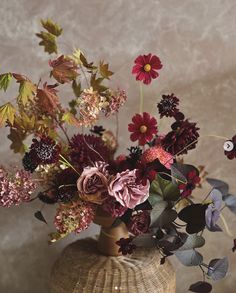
(150,188)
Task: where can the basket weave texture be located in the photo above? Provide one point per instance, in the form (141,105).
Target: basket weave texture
(82,269)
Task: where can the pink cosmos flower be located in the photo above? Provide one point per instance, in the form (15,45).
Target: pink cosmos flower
(125,189)
(146,67)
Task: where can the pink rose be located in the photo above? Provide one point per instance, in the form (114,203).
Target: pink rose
(124,188)
(92,185)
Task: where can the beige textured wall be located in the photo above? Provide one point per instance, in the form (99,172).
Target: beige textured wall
(196,41)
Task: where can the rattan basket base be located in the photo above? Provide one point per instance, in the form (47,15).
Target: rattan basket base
(82,269)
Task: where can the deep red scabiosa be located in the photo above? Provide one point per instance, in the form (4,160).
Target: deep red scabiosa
(126,246)
(139,223)
(182,138)
(168,106)
(230,148)
(192,180)
(45,150)
(143,128)
(146,67)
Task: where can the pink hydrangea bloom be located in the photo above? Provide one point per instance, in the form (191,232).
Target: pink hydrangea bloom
(15,188)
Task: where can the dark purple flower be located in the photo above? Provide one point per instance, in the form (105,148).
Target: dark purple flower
(168,106)
(29,163)
(212,213)
(126,246)
(44,150)
(230,148)
(182,138)
(139,223)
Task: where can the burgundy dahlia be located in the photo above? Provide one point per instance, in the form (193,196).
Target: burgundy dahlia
(231,153)
(126,246)
(86,149)
(168,106)
(139,223)
(182,138)
(44,151)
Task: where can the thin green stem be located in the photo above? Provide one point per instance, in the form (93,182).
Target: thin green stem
(141,98)
(64,161)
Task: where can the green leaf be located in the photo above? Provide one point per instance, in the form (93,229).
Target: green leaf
(7,112)
(189,257)
(27,91)
(5,80)
(17,137)
(76,88)
(52,27)
(193,241)
(38,215)
(71,119)
(165,188)
(48,41)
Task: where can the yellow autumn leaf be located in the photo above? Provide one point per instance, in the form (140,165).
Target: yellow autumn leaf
(27,91)
(69,118)
(76,56)
(7,112)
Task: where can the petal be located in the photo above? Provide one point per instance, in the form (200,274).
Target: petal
(147,79)
(132,127)
(147,58)
(134,136)
(142,139)
(139,60)
(146,118)
(155,62)
(141,75)
(154,74)
(136,69)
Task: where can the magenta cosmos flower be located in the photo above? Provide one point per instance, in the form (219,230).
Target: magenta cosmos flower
(143,128)
(146,67)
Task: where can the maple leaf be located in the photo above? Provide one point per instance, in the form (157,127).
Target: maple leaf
(96,84)
(47,98)
(52,27)
(104,71)
(5,80)
(69,118)
(76,56)
(48,41)
(27,91)
(17,137)
(64,70)
(7,113)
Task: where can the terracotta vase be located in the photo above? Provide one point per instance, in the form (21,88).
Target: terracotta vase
(109,235)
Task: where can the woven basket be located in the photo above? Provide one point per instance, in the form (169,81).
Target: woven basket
(83,269)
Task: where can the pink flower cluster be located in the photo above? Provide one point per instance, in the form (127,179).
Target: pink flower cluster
(74,217)
(15,188)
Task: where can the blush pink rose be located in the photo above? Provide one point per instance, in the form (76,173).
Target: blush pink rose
(124,188)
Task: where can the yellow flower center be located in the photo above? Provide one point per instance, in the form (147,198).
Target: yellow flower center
(147,67)
(143,129)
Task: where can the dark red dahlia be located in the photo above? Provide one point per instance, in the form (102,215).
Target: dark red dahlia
(192,180)
(126,246)
(168,106)
(182,138)
(146,67)
(139,223)
(87,149)
(230,148)
(143,128)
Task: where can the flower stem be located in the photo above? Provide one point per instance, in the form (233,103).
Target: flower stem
(141,98)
